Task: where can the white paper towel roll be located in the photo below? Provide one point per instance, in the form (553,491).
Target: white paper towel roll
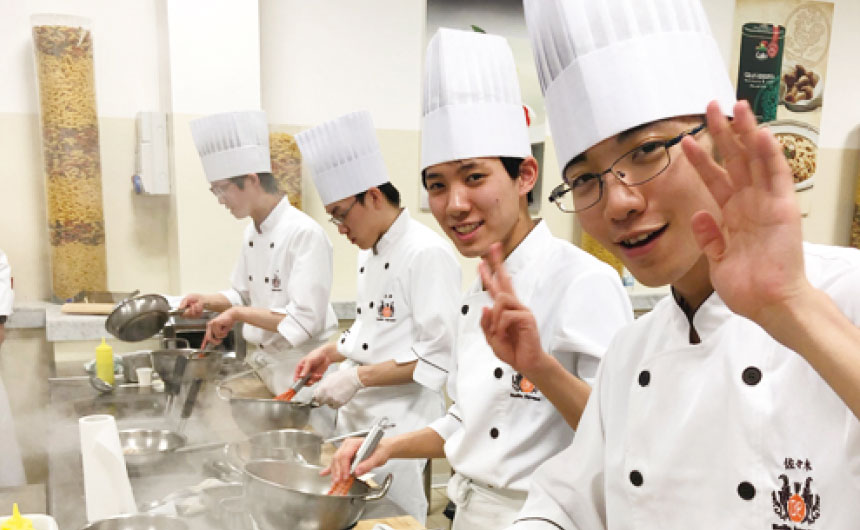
(106,485)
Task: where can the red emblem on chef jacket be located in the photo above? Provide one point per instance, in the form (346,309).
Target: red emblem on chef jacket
(791,503)
(385,310)
(276,282)
(522,384)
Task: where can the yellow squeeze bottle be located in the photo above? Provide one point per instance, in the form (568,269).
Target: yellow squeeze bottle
(16,522)
(104,362)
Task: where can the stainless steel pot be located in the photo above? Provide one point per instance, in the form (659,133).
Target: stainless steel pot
(284,495)
(140,317)
(139,521)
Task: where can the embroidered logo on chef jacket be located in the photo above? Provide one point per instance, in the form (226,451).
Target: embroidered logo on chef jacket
(796,500)
(385,312)
(523,388)
(276,282)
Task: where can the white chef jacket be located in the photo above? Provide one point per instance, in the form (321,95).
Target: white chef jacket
(286,267)
(500,428)
(406,310)
(11,465)
(735,432)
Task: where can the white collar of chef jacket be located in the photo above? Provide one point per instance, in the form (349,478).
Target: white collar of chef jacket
(271,220)
(529,249)
(394,233)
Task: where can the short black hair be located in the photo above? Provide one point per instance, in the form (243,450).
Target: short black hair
(267,182)
(511,164)
(388,190)
(512,167)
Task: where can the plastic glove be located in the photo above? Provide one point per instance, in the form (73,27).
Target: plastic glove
(336,389)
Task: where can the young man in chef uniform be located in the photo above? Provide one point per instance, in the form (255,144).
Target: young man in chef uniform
(478,169)
(282,280)
(395,357)
(11,465)
(725,406)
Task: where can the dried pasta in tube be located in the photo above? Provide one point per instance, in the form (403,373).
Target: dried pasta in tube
(287,166)
(70,146)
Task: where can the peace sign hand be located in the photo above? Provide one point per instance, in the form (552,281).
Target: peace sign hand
(509,326)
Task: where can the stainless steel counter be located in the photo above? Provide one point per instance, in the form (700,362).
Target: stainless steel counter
(73,397)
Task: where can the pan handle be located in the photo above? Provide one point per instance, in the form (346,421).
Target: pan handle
(376,494)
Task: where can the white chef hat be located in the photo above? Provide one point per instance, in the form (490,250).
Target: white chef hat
(344,156)
(472,102)
(607,66)
(232,144)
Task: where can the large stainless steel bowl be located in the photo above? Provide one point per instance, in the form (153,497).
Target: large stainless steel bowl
(258,415)
(143,447)
(294,445)
(139,521)
(284,495)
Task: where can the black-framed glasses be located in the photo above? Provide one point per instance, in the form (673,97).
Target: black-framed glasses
(339,219)
(582,190)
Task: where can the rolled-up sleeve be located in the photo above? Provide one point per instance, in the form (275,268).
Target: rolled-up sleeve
(7,296)
(434,291)
(308,287)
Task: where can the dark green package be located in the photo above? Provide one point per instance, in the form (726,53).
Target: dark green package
(760,67)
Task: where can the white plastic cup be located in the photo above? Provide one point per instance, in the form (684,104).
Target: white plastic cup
(144,375)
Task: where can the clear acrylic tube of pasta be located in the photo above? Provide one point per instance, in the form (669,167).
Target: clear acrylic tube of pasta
(63,47)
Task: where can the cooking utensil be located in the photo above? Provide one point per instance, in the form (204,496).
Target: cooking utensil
(100,384)
(197,364)
(173,384)
(139,521)
(293,390)
(190,399)
(143,447)
(287,495)
(366,449)
(140,317)
(254,415)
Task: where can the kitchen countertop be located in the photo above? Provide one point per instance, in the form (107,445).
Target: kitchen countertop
(72,397)
(62,327)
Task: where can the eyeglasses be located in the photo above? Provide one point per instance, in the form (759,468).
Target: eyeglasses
(581,191)
(339,219)
(220,189)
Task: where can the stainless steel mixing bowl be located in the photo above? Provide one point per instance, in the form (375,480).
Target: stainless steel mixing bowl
(283,495)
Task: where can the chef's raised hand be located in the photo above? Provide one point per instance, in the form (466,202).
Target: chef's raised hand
(754,245)
(509,326)
(342,459)
(218,328)
(193,305)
